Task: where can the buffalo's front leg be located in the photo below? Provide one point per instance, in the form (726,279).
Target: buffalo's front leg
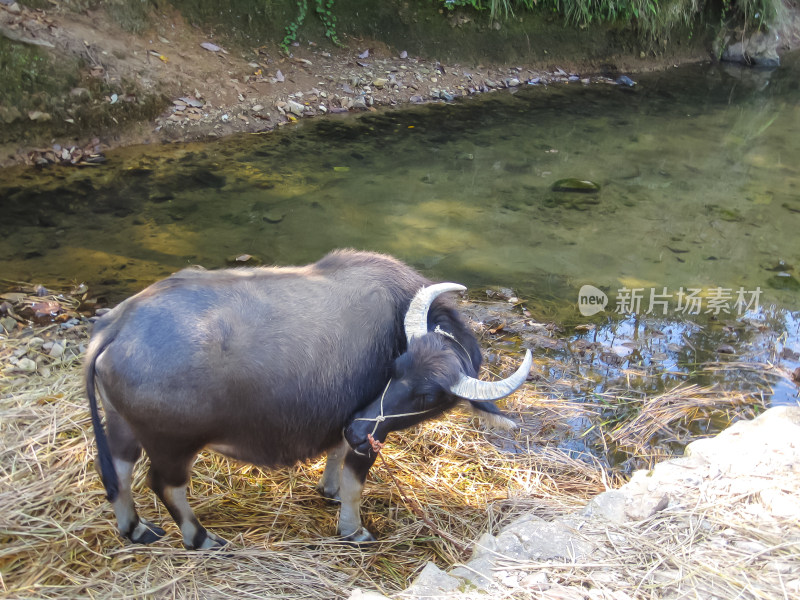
(331,481)
(351,483)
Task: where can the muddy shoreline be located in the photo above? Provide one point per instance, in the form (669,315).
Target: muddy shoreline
(178,82)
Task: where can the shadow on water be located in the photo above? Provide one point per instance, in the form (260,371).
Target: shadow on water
(699,190)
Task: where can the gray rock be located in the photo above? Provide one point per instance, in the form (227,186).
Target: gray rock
(572,184)
(242,260)
(479,572)
(8,324)
(608,505)
(432,582)
(295,108)
(485,546)
(273,216)
(57,351)
(35,342)
(532,538)
(535,580)
(25,365)
(640,508)
(759,50)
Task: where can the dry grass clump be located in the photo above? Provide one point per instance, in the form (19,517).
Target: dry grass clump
(58,539)
(680,415)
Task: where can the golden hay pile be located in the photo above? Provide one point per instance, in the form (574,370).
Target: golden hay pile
(58,539)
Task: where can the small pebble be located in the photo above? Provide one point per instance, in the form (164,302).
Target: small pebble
(26,365)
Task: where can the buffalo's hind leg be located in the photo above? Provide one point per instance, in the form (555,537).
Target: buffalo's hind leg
(125,451)
(351,483)
(169,479)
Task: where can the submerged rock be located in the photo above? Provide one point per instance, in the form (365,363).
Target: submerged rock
(779,267)
(784,281)
(572,201)
(581,186)
(244,260)
(273,216)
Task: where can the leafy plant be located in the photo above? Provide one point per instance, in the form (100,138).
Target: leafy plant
(654,19)
(324,11)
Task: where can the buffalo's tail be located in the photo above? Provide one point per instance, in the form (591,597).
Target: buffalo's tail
(107,471)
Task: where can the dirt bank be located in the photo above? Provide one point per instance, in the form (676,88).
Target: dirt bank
(178,82)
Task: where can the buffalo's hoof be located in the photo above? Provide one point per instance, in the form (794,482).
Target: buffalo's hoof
(359,536)
(146,532)
(211,542)
(330,496)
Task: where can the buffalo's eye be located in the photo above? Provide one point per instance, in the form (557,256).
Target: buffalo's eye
(426,399)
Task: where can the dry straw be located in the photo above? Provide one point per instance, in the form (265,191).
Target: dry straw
(57,537)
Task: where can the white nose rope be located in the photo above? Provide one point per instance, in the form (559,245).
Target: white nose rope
(381,417)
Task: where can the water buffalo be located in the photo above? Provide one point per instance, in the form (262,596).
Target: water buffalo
(272,366)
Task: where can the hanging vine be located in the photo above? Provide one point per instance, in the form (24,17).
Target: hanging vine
(324,10)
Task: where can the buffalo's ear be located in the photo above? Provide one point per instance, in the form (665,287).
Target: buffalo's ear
(492,416)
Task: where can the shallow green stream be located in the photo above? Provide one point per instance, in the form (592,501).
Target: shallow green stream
(699,170)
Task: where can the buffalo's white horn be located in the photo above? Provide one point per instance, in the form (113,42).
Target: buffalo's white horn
(416,321)
(475,389)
